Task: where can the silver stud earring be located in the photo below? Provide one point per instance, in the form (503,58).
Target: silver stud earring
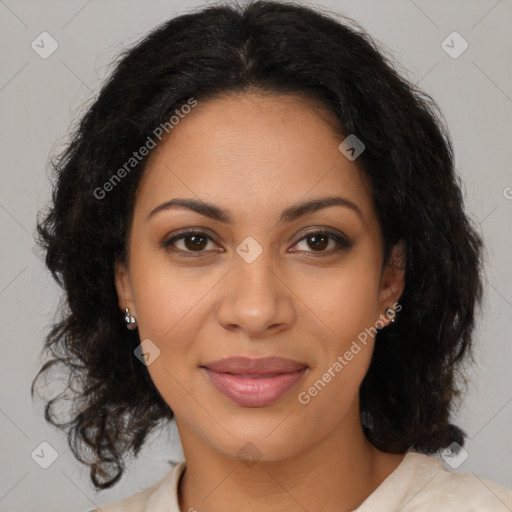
(390,312)
(131,322)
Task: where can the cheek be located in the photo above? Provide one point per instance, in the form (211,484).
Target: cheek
(342,305)
(344,299)
(345,316)
(172,309)
(169,298)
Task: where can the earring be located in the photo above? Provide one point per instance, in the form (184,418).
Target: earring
(131,322)
(390,312)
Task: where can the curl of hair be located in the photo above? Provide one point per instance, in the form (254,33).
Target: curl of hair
(408,393)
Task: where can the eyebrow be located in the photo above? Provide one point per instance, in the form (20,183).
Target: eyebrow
(288,215)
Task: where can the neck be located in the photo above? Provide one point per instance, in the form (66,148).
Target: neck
(336,473)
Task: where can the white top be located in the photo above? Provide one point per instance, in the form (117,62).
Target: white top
(419,483)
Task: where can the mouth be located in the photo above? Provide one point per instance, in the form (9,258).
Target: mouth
(258,386)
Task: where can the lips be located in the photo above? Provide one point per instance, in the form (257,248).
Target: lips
(254,382)
(257,367)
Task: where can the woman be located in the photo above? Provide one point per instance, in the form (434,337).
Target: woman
(261,235)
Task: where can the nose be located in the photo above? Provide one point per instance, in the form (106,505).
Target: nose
(256,299)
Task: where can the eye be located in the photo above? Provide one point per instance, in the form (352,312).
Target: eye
(319,241)
(197,241)
(192,242)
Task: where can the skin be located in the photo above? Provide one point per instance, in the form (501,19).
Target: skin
(255,155)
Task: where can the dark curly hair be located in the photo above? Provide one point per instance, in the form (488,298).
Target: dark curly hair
(410,389)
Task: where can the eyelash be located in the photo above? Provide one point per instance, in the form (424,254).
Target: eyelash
(343,244)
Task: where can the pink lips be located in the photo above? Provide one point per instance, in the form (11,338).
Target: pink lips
(254,382)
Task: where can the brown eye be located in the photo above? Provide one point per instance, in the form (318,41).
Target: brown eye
(318,242)
(195,242)
(191,241)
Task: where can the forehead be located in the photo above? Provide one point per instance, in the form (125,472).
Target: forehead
(253,152)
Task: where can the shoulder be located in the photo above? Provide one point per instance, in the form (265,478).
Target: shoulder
(161,496)
(433,487)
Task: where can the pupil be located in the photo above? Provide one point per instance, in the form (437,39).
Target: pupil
(195,242)
(316,241)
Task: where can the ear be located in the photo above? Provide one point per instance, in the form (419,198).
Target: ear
(392,281)
(124,287)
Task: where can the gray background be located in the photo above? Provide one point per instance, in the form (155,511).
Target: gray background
(39,100)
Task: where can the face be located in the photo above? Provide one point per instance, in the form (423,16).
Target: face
(256,283)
